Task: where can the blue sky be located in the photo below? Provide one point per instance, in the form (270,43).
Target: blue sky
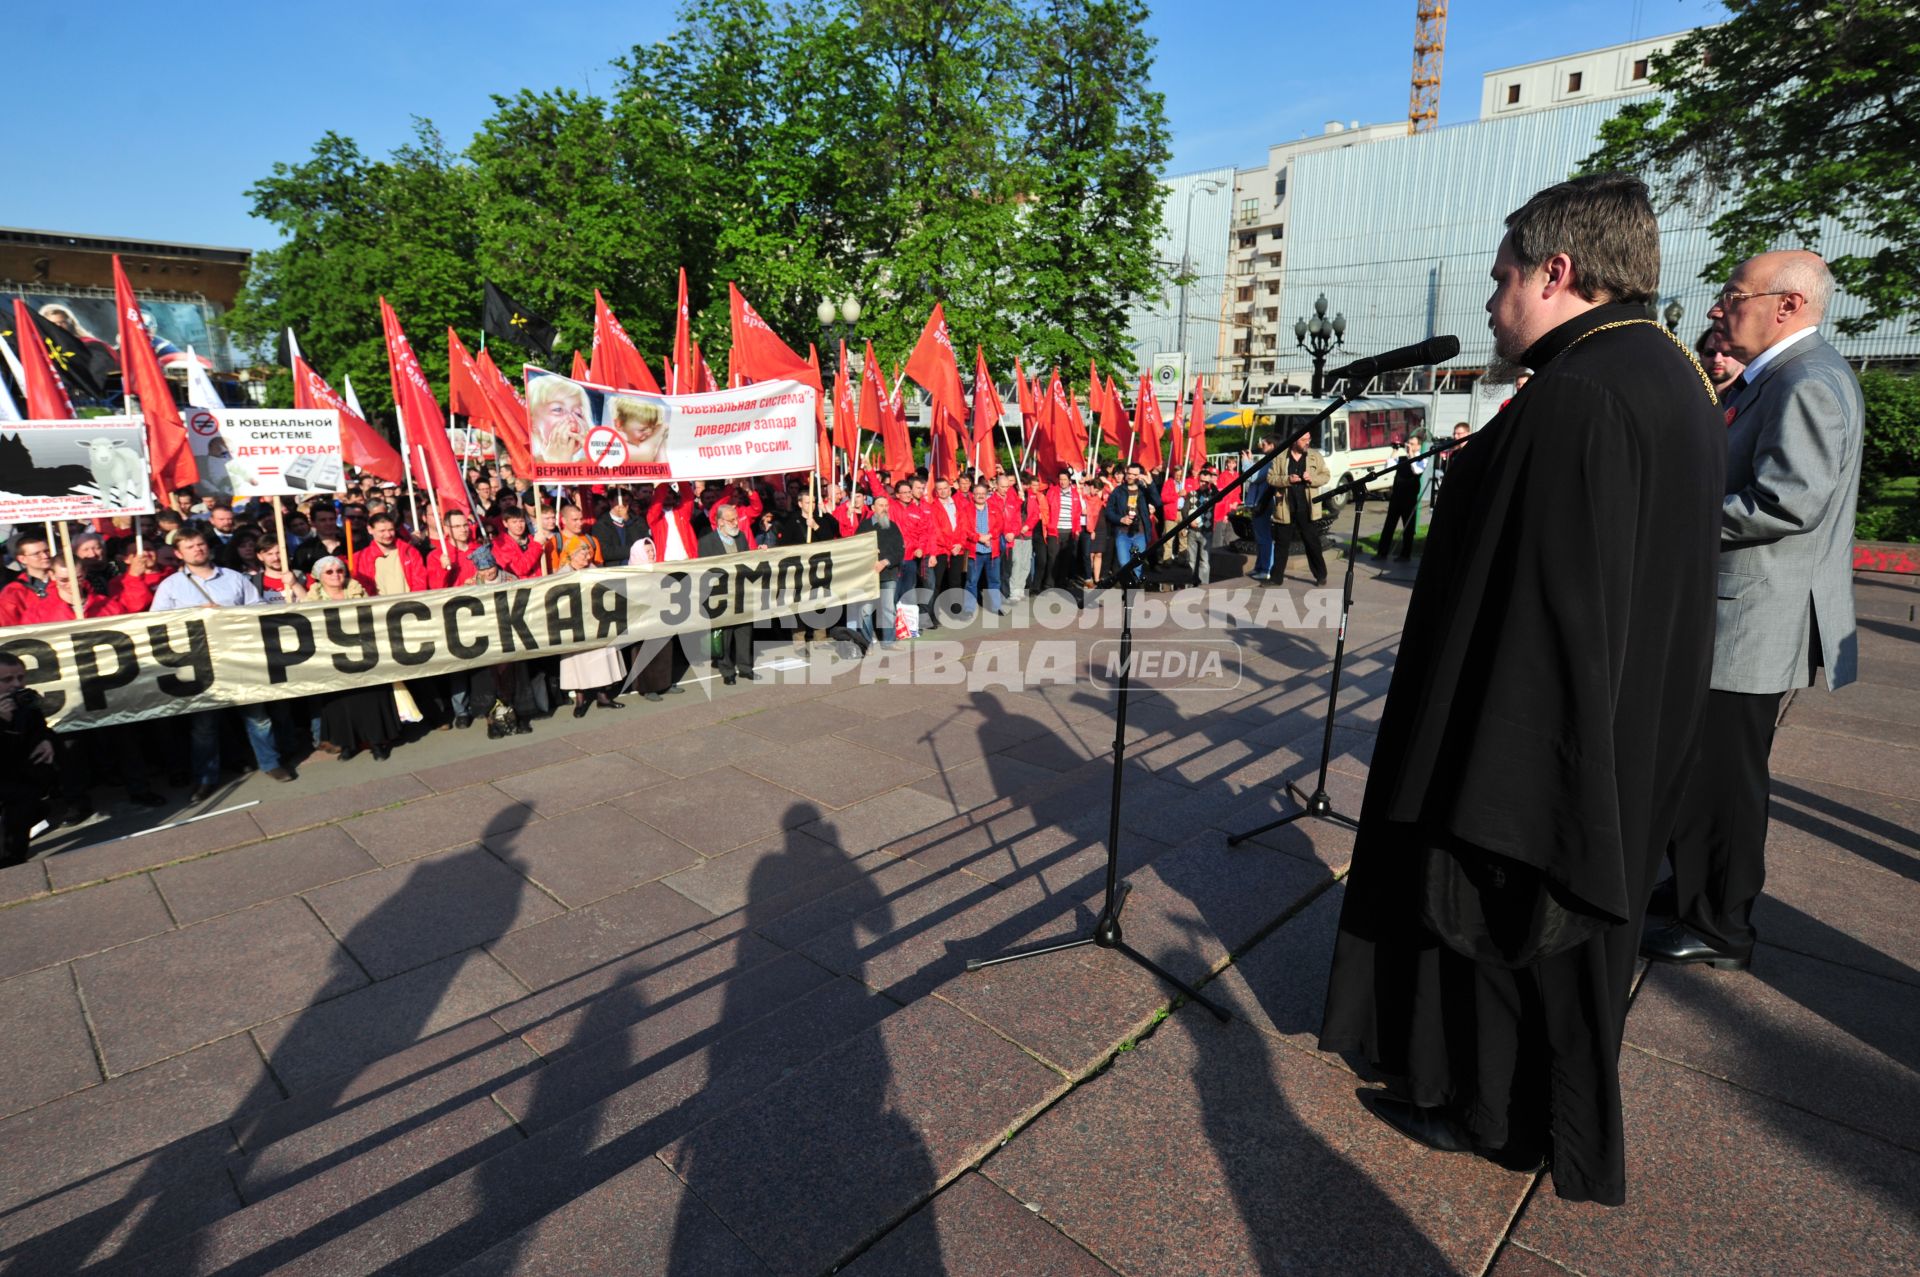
(161,118)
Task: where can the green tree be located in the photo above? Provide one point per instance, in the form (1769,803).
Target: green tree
(1793,111)
(1096,140)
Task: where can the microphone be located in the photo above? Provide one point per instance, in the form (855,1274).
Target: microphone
(1434,350)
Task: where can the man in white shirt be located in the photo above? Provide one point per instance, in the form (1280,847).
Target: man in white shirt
(201,582)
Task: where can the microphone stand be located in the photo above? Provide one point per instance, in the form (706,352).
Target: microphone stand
(1317,804)
(1106,929)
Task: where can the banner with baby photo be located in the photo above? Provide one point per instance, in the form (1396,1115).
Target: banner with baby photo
(583,433)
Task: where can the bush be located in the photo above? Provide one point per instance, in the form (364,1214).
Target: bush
(1892,447)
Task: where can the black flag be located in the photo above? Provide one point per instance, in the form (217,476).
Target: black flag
(508,320)
(88,367)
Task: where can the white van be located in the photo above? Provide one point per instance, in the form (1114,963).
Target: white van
(1359,437)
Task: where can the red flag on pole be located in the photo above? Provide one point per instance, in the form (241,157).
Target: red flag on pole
(823,445)
(932,365)
(987,412)
(507,414)
(580,371)
(464,394)
(682,381)
(1146,427)
(846,412)
(1113,415)
(615,362)
(360,444)
(758,354)
(168,453)
(1176,441)
(703,376)
(426,427)
(46,394)
(1197,428)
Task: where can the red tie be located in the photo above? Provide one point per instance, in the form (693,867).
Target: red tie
(1733,392)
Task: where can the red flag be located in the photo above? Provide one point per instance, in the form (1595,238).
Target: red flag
(464,395)
(1050,458)
(682,381)
(507,414)
(426,429)
(823,447)
(1146,427)
(758,354)
(932,365)
(1176,442)
(580,368)
(360,444)
(1197,429)
(168,453)
(46,394)
(987,413)
(1113,414)
(877,413)
(846,412)
(615,362)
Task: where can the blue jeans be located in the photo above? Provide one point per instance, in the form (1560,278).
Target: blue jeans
(1263,545)
(203,731)
(984,570)
(1128,545)
(876,618)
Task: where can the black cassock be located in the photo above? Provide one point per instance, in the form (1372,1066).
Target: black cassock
(1544,709)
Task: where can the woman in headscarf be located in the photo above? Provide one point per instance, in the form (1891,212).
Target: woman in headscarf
(594,673)
(360,715)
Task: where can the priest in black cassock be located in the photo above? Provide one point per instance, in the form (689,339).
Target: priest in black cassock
(1543,712)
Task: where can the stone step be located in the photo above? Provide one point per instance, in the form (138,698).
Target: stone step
(395,1209)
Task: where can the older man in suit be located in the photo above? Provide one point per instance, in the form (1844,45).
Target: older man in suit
(1794,423)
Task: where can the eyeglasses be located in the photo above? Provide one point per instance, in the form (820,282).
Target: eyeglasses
(333,572)
(1731,294)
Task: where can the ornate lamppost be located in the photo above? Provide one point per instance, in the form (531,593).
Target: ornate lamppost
(1320,337)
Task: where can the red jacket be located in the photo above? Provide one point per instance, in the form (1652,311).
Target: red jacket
(682,519)
(843,515)
(411,565)
(1050,511)
(131,593)
(518,561)
(912,522)
(944,535)
(53,608)
(16,597)
(1033,516)
(998,528)
(441,576)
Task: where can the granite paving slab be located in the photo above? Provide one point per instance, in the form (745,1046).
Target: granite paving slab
(971,785)
(285,815)
(128,1117)
(23,882)
(1853,914)
(45,1049)
(767,877)
(720,809)
(799,723)
(1876,765)
(1720,1179)
(54,929)
(878,821)
(408,915)
(497,762)
(434,824)
(641,1223)
(337,1037)
(891,893)
(828,1157)
(833,773)
(591,852)
(1846,824)
(579,782)
(1326,841)
(1825,1038)
(690,753)
(177,990)
(972,1227)
(649,918)
(1280,985)
(939,738)
(1212,1148)
(130,855)
(265,871)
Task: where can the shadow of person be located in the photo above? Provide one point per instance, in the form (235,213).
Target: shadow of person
(408,944)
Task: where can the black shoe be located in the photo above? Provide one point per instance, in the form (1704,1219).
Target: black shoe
(653,696)
(349,753)
(1436,1128)
(752,676)
(1319,582)
(201,793)
(381,753)
(463,721)
(730,678)
(675,690)
(579,709)
(280,774)
(1672,942)
(607,702)
(522,728)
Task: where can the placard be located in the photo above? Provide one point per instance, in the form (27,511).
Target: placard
(583,433)
(84,469)
(266,452)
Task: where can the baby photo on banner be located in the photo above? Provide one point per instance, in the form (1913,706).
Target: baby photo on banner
(582,433)
(90,469)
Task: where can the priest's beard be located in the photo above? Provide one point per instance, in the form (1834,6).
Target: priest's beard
(1502,371)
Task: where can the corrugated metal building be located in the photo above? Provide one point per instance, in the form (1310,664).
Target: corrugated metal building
(1196,210)
(1400,235)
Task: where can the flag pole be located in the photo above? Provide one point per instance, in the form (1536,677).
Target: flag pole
(406,457)
(286,554)
(433,505)
(73,573)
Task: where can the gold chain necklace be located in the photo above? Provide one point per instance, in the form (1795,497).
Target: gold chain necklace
(1700,372)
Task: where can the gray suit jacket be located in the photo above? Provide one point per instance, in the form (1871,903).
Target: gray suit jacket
(1786,539)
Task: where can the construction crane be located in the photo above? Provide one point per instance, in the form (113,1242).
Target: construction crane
(1429,47)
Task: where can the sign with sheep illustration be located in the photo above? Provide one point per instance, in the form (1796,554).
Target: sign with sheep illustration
(91,469)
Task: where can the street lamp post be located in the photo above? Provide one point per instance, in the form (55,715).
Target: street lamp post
(831,333)
(1320,337)
(1214,186)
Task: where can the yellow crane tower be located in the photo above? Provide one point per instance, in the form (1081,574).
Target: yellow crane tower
(1429,47)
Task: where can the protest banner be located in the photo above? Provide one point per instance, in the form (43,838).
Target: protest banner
(265,452)
(470,443)
(583,433)
(124,669)
(81,469)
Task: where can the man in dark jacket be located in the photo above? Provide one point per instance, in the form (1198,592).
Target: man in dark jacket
(736,641)
(876,621)
(618,532)
(27,775)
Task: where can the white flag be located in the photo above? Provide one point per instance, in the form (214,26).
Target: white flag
(353,400)
(200,391)
(9,410)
